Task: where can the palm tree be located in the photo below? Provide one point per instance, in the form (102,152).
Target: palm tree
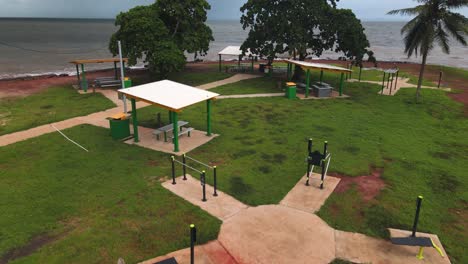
(434,22)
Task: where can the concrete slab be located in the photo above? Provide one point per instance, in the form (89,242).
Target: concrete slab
(363,249)
(310,198)
(210,253)
(186,144)
(222,206)
(277,234)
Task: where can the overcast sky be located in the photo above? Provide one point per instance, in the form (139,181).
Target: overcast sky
(221,9)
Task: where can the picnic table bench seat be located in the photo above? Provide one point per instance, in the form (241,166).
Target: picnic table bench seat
(183,131)
(168,128)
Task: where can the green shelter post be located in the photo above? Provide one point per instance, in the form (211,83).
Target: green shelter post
(208,117)
(307,83)
(220,66)
(170,116)
(135,121)
(321,77)
(342,83)
(78,75)
(175,130)
(84,82)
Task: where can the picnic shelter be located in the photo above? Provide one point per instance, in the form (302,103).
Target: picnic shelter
(173,97)
(308,66)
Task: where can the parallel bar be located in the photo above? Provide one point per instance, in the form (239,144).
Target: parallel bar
(199,162)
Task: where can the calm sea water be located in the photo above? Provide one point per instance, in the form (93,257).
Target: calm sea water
(49,44)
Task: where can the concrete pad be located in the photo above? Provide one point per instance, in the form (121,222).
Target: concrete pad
(310,198)
(210,253)
(186,144)
(222,206)
(363,249)
(277,234)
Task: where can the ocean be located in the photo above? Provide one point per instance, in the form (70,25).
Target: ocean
(45,46)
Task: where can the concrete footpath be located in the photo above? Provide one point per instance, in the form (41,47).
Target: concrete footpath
(289,232)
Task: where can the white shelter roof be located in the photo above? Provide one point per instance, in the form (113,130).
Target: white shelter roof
(168,94)
(232,51)
(320,66)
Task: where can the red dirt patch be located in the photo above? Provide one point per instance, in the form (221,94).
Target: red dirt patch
(30,85)
(369,186)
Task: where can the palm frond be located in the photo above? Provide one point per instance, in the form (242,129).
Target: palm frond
(455,4)
(443,38)
(457,25)
(407,11)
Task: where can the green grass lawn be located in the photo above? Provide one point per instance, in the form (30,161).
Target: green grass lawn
(422,147)
(189,78)
(51,105)
(197,78)
(251,86)
(96,206)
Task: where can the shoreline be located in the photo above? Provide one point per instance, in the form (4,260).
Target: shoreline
(61,74)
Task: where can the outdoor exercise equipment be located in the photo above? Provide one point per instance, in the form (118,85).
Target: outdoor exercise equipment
(202,173)
(316,158)
(415,241)
(388,77)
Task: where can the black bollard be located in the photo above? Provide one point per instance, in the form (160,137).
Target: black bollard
(325,149)
(383,83)
(184,168)
(440,79)
(214,181)
(416,217)
(309,148)
(203,180)
(193,239)
(323,174)
(173,169)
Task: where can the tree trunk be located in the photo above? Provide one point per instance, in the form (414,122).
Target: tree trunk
(298,71)
(421,75)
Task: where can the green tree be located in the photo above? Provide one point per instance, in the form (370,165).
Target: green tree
(161,33)
(434,22)
(302,28)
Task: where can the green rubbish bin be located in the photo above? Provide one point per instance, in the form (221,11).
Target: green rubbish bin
(119,128)
(291,90)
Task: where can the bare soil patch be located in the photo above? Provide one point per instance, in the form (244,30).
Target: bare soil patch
(369,186)
(29,85)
